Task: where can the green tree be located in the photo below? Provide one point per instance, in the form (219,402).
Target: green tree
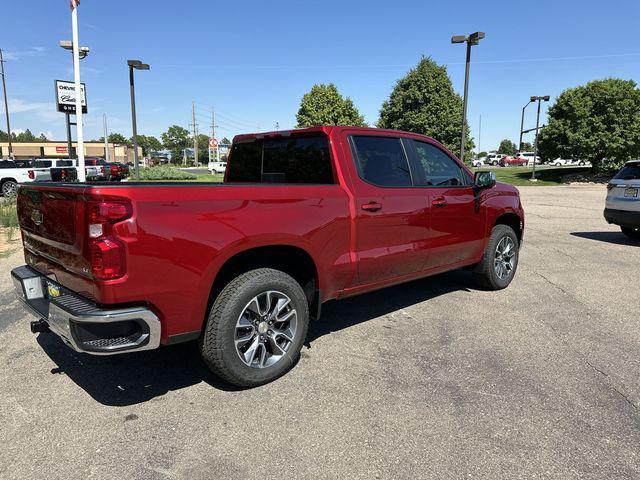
(323,105)
(176,139)
(598,122)
(26,136)
(507,147)
(424,102)
(225,141)
(148,143)
(3,136)
(117,138)
(482,154)
(526,147)
(203,148)
(43,138)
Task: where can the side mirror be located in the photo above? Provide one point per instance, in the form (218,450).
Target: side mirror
(485,179)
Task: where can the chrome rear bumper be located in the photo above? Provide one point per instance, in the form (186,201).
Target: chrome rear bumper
(80,323)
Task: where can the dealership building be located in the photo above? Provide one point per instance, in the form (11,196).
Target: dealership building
(51,149)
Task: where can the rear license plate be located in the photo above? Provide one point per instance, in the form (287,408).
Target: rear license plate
(53,290)
(631,192)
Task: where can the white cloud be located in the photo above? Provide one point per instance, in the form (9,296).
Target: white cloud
(48,134)
(18,54)
(17,105)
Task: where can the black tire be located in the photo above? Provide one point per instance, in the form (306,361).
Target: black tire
(581,163)
(632,233)
(218,341)
(484,272)
(9,188)
(557,164)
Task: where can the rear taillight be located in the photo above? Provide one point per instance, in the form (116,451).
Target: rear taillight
(31,174)
(610,186)
(63,174)
(106,250)
(114,169)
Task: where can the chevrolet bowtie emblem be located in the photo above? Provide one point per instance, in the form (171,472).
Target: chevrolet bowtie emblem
(37,217)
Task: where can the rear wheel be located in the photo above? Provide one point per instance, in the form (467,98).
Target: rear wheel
(9,188)
(581,163)
(500,261)
(256,328)
(631,232)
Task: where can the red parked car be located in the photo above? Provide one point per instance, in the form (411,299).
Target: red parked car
(508,161)
(303,217)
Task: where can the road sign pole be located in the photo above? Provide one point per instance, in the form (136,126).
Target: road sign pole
(82,174)
(69,145)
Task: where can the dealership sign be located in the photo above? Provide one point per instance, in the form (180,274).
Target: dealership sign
(66,97)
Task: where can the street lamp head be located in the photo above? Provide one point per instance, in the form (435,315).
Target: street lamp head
(476,37)
(546,98)
(134,63)
(66,44)
(458,39)
(144,66)
(534,98)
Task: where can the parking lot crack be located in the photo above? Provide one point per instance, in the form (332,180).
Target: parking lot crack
(551,282)
(611,384)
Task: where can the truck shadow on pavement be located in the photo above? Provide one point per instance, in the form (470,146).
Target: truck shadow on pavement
(125,380)
(617,238)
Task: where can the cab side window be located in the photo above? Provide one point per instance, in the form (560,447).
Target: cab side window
(381,161)
(436,168)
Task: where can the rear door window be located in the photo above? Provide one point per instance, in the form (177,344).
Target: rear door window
(292,160)
(381,161)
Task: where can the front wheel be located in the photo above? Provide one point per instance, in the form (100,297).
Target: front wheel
(256,328)
(500,261)
(631,232)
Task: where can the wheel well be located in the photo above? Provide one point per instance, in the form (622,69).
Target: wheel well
(293,261)
(512,220)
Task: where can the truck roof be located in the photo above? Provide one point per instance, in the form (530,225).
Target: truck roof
(326,129)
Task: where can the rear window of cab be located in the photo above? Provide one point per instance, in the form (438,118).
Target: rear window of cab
(294,160)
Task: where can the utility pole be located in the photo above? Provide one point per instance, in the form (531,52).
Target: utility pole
(479,133)
(195,132)
(277,126)
(6,105)
(82,172)
(106,137)
(213,132)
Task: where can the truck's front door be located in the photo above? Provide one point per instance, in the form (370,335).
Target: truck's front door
(392,216)
(457,220)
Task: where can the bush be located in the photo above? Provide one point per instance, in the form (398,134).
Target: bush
(165,172)
(8,213)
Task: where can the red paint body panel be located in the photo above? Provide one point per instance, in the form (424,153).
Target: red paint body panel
(180,235)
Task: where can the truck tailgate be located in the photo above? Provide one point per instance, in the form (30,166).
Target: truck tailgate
(51,218)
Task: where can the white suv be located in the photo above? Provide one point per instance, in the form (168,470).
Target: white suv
(529,156)
(623,200)
(217,167)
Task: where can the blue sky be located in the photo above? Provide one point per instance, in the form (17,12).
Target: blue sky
(254,60)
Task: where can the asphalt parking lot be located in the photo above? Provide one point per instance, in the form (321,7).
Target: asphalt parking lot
(433,379)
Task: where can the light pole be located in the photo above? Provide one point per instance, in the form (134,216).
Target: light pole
(83,52)
(138,65)
(522,126)
(535,148)
(6,106)
(471,40)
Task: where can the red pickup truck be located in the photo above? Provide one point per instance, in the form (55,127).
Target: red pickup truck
(303,217)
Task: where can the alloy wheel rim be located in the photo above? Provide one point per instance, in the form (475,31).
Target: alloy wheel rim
(265,329)
(504,260)
(9,188)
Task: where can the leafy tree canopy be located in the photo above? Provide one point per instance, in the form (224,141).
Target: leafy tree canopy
(225,141)
(507,147)
(424,102)
(176,139)
(148,143)
(117,138)
(526,147)
(323,105)
(599,122)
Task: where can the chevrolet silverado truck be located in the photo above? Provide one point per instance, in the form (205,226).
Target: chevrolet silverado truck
(303,217)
